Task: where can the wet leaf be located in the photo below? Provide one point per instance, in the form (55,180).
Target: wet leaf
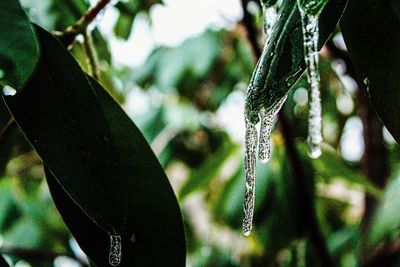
(59,114)
(372,37)
(283,59)
(17,34)
(154,222)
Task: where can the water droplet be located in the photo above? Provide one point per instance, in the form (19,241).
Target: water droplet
(366,81)
(267,123)
(9,91)
(250,173)
(115,255)
(270,17)
(310,38)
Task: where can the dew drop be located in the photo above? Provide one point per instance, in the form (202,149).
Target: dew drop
(115,255)
(250,173)
(310,38)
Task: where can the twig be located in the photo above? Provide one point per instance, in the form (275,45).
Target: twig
(91,53)
(37,254)
(317,240)
(70,34)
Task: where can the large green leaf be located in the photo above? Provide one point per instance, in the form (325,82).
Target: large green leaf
(282,60)
(19,50)
(59,114)
(371,29)
(154,217)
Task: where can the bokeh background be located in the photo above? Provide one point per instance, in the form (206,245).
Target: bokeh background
(180,69)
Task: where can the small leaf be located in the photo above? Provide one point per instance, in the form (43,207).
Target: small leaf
(282,59)
(19,49)
(154,222)
(371,29)
(386,220)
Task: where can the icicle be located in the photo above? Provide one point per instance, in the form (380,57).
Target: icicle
(115,255)
(311,36)
(267,123)
(250,173)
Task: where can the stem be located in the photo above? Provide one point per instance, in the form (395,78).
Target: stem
(91,53)
(79,27)
(317,240)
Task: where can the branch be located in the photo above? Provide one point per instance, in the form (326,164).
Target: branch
(69,35)
(37,254)
(317,240)
(375,163)
(91,53)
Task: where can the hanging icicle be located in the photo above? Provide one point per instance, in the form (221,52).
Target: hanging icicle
(251,137)
(266,125)
(250,173)
(310,38)
(115,255)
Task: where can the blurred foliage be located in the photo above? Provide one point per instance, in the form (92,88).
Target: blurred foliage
(188,93)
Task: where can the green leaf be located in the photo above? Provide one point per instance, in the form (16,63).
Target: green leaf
(282,59)
(19,50)
(59,114)
(386,220)
(329,166)
(154,217)
(211,167)
(371,29)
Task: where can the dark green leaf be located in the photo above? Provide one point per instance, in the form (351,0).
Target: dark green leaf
(154,217)
(371,29)
(283,57)
(59,114)
(19,50)
(3,262)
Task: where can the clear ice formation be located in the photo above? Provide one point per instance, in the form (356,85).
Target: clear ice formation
(310,37)
(250,173)
(115,255)
(267,120)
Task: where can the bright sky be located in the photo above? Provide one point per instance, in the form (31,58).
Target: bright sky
(172,23)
